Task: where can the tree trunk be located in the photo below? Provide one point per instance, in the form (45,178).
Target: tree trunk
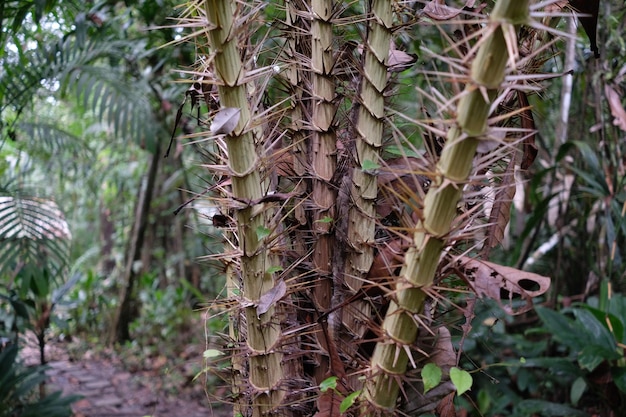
(124,314)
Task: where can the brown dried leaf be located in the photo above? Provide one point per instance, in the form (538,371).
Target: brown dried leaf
(225,120)
(501,209)
(400,60)
(488,279)
(328,404)
(444,355)
(446,406)
(528,123)
(615,103)
(400,177)
(270,298)
(438,10)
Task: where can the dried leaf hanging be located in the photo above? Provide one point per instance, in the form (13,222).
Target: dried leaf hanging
(490,280)
(438,10)
(225,121)
(615,103)
(271,297)
(528,124)
(501,209)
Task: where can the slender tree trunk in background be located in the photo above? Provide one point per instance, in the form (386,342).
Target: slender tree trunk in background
(124,314)
(107,229)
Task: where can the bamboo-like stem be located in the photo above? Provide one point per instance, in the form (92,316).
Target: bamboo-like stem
(369,128)
(399,329)
(363,188)
(323,153)
(263,334)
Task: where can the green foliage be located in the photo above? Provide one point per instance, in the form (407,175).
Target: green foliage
(33,233)
(18,386)
(165,312)
(571,362)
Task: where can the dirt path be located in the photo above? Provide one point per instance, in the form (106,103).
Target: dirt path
(108,390)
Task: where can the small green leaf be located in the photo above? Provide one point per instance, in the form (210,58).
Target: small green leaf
(578,389)
(212,353)
(484,401)
(325,220)
(431,375)
(349,401)
(368,165)
(262,232)
(275,269)
(461,379)
(328,383)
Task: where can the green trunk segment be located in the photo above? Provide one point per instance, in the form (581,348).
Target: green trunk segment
(263,337)
(390,358)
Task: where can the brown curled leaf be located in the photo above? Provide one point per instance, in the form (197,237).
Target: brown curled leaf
(438,10)
(491,280)
(271,297)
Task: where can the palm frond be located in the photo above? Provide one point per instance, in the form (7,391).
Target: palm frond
(33,233)
(94,72)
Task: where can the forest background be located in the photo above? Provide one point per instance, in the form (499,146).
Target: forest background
(99,240)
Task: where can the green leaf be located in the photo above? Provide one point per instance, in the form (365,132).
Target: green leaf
(610,321)
(212,353)
(564,329)
(431,375)
(328,383)
(368,165)
(262,232)
(619,377)
(546,409)
(484,401)
(461,379)
(325,219)
(349,401)
(578,389)
(600,335)
(593,355)
(275,269)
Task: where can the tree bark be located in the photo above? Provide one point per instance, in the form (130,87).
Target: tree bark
(124,314)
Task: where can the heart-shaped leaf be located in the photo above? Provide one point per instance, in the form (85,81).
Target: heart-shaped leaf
(431,375)
(461,379)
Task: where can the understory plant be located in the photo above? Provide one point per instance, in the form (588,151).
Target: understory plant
(361,177)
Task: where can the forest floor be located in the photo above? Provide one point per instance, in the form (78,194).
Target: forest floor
(115,384)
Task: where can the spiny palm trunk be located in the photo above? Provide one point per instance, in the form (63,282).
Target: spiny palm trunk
(360,189)
(266,379)
(391,355)
(323,155)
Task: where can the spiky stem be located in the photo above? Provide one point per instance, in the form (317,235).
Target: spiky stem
(323,152)
(369,128)
(390,358)
(363,189)
(263,334)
